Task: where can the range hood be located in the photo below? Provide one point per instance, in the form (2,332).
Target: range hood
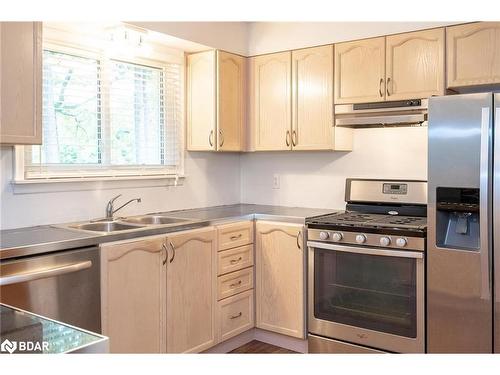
(368,115)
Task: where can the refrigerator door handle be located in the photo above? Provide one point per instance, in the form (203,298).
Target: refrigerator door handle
(484,203)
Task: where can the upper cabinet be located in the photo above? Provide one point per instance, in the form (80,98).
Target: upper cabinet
(312,98)
(215,101)
(291,101)
(397,67)
(21,83)
(270,95)
(231,101)
(201,102)
(415,65)
(473,54)
(360,71)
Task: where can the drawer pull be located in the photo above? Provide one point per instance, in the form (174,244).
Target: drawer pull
(236,316)
(234,238)
(234,261)
(235,284)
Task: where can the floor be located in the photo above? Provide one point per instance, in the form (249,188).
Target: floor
(258,347)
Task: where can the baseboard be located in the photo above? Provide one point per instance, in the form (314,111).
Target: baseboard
(286,342)
(233,343)
(283,341)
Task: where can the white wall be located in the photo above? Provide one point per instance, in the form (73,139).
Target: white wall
(266,37)
(229,36)
(317,179)
(211,180)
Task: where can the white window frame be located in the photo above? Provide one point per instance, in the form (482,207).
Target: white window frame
(72,173)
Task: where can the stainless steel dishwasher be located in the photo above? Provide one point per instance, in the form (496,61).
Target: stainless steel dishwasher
(64,286)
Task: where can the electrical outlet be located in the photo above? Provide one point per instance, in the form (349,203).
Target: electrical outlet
(276,181)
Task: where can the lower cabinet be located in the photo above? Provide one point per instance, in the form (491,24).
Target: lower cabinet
(133,295)
(181,293)
(280,286)
(191,291)
(159,294)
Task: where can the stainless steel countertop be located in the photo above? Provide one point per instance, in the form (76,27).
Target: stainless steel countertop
(48,238)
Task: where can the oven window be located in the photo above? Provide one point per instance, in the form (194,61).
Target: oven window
(366,291)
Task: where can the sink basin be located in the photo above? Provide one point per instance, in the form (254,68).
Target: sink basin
(105,226)
(153,220)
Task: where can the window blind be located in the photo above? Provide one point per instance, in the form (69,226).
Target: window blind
(104,117)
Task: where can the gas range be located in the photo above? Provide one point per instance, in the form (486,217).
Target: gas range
(366,270)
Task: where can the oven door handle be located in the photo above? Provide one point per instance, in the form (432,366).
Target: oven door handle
(366,250)
(44,273)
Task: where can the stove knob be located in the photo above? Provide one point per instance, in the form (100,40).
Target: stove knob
(323,235)
(336,237)
(401,242)
(385,241)
(360,238)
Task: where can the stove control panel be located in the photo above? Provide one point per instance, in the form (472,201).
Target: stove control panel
(366,239)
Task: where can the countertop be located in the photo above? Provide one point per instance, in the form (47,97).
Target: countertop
(48,238)
(30,333)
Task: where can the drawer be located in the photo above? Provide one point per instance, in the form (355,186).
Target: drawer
(236,315)
(234,259)
(234,283)
(235,234)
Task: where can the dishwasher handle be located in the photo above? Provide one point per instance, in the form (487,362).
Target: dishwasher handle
(44,273)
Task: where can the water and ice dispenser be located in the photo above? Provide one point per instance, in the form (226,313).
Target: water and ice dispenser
(457,218)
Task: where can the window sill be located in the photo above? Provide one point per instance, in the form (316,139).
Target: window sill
(48,185)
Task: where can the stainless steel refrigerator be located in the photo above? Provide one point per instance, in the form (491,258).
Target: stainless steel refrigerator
(463,245)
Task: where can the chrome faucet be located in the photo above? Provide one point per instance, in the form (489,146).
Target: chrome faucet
(110,210)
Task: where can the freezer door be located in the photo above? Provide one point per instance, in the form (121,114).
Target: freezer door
(496,224)
(459,298)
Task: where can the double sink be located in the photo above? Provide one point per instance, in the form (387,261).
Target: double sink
(131,223)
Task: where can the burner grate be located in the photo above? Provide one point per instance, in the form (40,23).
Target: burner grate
(362,220)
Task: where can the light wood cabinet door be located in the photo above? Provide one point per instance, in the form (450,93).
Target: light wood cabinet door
(133,295)
(360,71)
(473,54)
(270,91)
(21,83)
(280,286)
(201,102)
(312,98)
(415,65)
(191,291)
(231,77)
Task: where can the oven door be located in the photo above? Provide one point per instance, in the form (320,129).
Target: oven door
(368,296)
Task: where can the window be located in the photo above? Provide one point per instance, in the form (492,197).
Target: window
(104,117)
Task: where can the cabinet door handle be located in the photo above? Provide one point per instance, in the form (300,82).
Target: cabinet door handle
(380,87)
(234,261)
(294,138)
(221,138)
(235,284)
(236,316)
(299,235)
(164,247)
(173,251)
(387,88)
(210,138)
(287,138)
(234,238)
